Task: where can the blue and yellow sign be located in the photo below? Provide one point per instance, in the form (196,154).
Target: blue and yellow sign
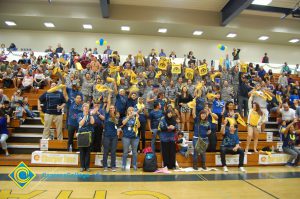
(22,175)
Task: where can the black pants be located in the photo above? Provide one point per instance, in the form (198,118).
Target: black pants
(169,154)
(228,150)
(212,139)
(71,132)
(84,157)
(142,131)
(220,116)
(97,139)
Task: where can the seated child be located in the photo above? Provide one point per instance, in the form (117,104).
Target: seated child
(18,113)
(29,113)
(183,145)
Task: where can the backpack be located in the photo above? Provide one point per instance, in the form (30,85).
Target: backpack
(150,162)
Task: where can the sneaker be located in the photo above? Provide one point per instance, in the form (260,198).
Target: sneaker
(204,168)
(114,169)
(123,168)
(130,153)
(195,167)
(134,168)
(225,169)
(81,169)
(242,169)
(289,164)
(88,170)
(105,169)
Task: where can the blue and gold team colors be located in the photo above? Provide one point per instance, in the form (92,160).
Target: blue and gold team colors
(22,175)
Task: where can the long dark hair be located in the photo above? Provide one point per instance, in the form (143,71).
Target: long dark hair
(170,121)
(258,109)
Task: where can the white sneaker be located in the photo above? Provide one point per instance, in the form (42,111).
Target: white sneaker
(242,169)
(225,169)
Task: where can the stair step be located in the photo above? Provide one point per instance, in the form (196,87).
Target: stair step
(32,126)
(23,145)
(271,130)
(32,135)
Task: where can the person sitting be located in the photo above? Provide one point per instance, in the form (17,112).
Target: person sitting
(183,145)
(230,145)
(289,141)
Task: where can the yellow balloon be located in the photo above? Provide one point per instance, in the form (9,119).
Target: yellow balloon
(105,42)
(97,42)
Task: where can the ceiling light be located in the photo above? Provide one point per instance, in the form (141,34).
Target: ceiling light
(49,25)
(125,28)
(87,26)
(294,40)
(197,32)
(162,30)
(10,23)
(263,38)
(262,2)
(231,35)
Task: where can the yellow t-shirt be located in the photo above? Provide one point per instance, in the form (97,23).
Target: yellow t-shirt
(254,118)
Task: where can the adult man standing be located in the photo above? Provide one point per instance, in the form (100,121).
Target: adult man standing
(54,103)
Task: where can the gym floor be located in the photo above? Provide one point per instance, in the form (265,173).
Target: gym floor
(63,183)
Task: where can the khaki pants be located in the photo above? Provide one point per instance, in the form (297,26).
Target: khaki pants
(57,119)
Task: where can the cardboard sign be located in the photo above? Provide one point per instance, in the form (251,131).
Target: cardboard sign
(230,160)
(99,158)
(44,144)
(47,157)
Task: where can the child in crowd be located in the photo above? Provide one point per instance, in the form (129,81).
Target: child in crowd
(19,110)
(29,113)
(183,145)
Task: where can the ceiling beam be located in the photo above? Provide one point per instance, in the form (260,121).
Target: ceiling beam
(232,9)
(274,9)
(104,4)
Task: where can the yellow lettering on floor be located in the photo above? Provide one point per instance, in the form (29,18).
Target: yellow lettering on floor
(147,193)
(66,195)
(5,194)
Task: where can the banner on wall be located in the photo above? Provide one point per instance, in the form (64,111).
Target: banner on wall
(273,159)
(99,158)
(46,157)
(230,160)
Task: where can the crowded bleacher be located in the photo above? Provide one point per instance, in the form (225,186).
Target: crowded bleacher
(105,102)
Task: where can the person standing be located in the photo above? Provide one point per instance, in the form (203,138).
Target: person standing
(85,121)
(155,115)
(99,117)
(265,59)
(130,137)
(54,103)
(4,119)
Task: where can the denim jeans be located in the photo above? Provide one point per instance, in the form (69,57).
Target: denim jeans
(110,144)
(228,150)
(134,142)
(195,155)
(153,140)
(71,132)
(183,150)
(294,153)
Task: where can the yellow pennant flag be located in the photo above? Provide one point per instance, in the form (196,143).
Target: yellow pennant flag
(202,70)
(214,75)
(192,104)
(163,63)
(78,66)
(128,72)
(133,89)
(133,78)
(176,69)
(113,69)
(56,70)
(102,88)
(118,79)
(210,96)
(62,60)
(244,68)
(158,74)
(189,73)
(240,120)
(136,125)
(56,88)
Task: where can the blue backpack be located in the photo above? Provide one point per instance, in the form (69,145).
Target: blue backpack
(150,162)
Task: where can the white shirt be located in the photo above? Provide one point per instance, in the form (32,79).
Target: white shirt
(288,115)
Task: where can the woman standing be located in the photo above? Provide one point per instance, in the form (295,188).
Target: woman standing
(168,127)
(218,108)
(255,119)
(185,111)
(212,137)
(111,134)
(131,124)
(140,109)
(86,122)
(202,130)
(4,119)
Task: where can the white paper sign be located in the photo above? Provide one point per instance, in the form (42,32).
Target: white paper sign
(186,136)
(99,158)
(43,157)
(279,146)
(269,136)
(44,145)
(230,160)
(273,159)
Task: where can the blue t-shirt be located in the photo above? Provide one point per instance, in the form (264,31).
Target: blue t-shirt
(131,103)
(289,140)
(230,140)
(72,95)
(200,103)
(3,126)
(128,128)
(110,126)
(87,126)
(121,103)
(74,111)
(217,106)
(51,101)
(98,121)
(201,128)
(166,135)
(154,117)
(20,111)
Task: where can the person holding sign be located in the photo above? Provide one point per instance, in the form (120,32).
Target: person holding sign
(130,137)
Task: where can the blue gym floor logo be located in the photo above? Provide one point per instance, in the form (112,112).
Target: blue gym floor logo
(22,175)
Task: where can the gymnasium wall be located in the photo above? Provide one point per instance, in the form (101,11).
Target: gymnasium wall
(125,44)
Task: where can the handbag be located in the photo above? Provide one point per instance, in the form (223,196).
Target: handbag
(84,139)
(201,146)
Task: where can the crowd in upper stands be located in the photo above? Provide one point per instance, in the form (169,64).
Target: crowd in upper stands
(122,98)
